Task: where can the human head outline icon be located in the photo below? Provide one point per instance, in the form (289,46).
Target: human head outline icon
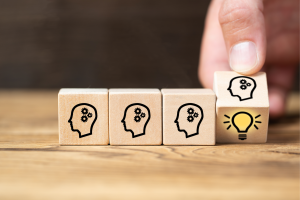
(242,87)
(188,119)
(136,118)
(82,119)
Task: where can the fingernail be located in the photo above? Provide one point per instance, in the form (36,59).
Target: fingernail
(243,56)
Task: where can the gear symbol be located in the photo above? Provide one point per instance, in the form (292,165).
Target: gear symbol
(84,118)
(143,115)
(190,118)
(90,115)
(243,81)
(243,87)
(190,111)
(137,111)
(137,119)
(84,111)
(196,115)
(248,84)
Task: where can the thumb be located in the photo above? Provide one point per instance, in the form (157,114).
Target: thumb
(243,28)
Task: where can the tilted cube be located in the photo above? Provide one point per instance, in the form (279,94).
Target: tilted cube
(242,107)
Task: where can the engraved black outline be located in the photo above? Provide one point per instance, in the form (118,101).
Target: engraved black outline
(251,93)
(124,123)
(183,130)
(91,129)
(242,112)
(242,136)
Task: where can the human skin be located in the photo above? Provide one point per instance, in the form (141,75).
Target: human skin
(248,36)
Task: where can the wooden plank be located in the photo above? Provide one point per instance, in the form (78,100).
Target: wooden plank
(264,171)
(34,166)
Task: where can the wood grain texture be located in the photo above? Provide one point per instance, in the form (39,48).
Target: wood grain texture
(34,166)
(83,116)
(135,117)
(189,117)
(242,108)
(228,86)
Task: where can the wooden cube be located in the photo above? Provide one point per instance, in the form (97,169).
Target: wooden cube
(188,116)
(135,117)
(83,116)
(242,107)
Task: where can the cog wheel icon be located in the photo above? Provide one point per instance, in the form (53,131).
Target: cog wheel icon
(90,115)
(190,111)
(243,81)
(190,118)
(248,84)
(137,119)
(137,111)
(84,111)
(143,115)
(84,118)
(196,115)
(243,87)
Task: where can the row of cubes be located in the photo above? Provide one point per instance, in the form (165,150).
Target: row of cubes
(156,117)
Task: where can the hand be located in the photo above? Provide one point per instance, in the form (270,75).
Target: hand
(252,35)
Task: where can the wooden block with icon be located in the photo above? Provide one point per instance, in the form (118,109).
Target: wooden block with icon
(83,116)
(242,107)
(135,117)
(188,116)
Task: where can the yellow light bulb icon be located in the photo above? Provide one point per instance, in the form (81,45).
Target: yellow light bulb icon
(242,121)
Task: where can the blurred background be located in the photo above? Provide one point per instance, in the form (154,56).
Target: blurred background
(92,43)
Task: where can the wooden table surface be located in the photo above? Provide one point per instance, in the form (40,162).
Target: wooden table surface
(34,166)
